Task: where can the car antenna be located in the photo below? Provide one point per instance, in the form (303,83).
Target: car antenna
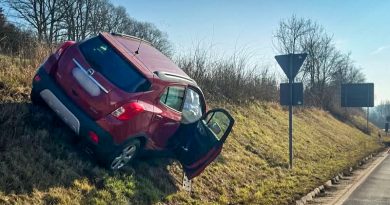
(139,45)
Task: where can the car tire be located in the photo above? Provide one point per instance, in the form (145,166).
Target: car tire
(124,155)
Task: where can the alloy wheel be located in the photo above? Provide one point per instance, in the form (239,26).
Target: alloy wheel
(124,157)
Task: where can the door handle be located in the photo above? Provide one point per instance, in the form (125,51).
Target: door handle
(75,93)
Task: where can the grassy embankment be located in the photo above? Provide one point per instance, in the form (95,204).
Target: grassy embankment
(40,165)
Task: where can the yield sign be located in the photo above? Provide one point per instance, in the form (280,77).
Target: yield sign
(291,63)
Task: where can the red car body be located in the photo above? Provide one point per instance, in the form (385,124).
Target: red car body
(123,96)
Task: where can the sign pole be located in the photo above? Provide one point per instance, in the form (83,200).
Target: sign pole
(290,64)
(368,110)
(368,113)
(290,128)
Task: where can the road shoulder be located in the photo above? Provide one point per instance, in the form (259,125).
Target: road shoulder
(338,193)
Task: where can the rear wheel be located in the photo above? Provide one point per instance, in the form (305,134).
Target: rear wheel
(124,155)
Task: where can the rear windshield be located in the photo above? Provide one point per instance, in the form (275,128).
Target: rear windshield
(105,60)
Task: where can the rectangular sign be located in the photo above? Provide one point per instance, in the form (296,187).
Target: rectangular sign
(297,94)
(357,95)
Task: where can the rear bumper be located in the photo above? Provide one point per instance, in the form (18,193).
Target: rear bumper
(71,114)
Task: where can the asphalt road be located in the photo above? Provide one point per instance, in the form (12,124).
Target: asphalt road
(375,190)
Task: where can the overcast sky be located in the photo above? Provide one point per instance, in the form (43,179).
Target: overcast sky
(359,27)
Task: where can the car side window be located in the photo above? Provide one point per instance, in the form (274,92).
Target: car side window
(192,108)
(173,97)
(218,123)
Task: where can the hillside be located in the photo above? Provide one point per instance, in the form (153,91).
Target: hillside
(40,165)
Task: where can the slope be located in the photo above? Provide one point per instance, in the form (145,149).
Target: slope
(39,163)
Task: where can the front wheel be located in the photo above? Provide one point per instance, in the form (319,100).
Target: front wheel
(124,155)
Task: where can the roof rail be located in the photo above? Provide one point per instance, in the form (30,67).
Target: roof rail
(171,77)
(131,37)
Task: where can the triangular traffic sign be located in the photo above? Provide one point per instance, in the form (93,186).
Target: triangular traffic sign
(293,61)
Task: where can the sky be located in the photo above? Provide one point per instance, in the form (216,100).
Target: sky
(359,27)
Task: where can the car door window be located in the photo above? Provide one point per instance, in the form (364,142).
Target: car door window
(173,97)
(218,123)
(192,108)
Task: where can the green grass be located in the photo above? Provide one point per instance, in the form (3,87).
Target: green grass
(39,164)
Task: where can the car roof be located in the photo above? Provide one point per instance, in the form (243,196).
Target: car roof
(150,57)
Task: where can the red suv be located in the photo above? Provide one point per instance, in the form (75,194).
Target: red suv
(122,96)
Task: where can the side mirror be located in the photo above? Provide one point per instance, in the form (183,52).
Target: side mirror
(214,126)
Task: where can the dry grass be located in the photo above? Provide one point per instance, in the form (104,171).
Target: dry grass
(40,165)
(229,78)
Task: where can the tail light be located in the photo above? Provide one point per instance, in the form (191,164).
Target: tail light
(37,78)
(94,137)
(62,48)
(128,111)
(50,64)
(59,52)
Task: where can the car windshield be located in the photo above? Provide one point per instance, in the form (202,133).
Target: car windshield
(105,60)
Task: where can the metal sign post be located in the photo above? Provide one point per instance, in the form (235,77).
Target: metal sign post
(368,114)
(290,116)
(291,63)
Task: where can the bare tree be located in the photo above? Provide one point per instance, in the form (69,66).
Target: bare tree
(13,40)
(380,113)
(290,34)
(325,67)
(42,15)
(150,33)
(56,20)
(76,19)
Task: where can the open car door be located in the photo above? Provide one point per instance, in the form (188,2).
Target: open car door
(202,141)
